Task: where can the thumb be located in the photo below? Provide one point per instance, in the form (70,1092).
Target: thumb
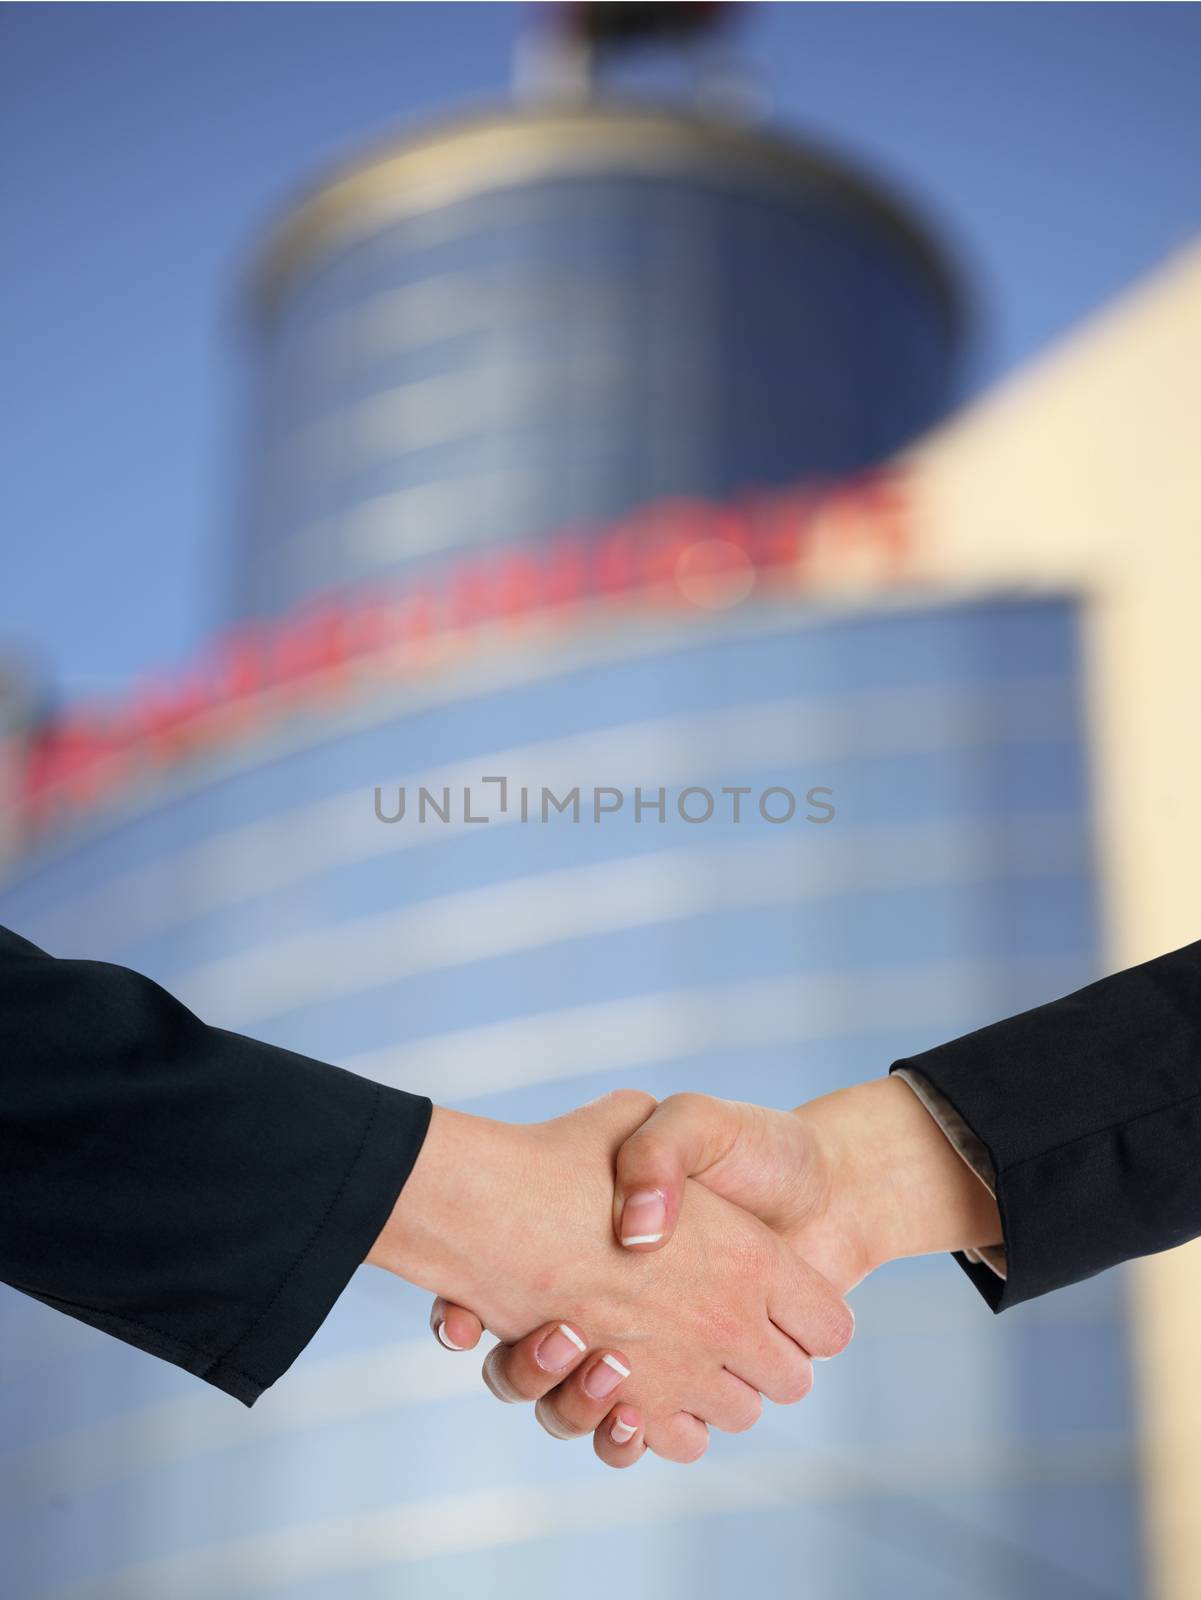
(682,1137)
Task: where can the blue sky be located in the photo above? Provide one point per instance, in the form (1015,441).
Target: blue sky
(143,146)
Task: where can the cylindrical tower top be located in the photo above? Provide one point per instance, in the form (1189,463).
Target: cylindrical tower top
(515,146)
(546,315)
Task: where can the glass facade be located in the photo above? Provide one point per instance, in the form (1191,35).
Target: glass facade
(551,355)
(517,968)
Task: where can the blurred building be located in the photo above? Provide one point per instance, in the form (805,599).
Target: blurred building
(632,678)
(540,319)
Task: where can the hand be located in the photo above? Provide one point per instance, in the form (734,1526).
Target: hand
(514,1222)
(852,1180)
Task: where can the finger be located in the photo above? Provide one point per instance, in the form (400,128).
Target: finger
(808,1308)
(454,1327)
(579,1405)
(681,1437)
(618,1440)
(732,1405)
(775,1367)
(684,1135)
(534,1365)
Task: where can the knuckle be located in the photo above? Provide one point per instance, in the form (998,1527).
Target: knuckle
(747,1416)
(687,1103)
(632,1102)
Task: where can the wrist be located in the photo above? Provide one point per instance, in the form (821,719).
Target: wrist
(446,1229)
(899,1186)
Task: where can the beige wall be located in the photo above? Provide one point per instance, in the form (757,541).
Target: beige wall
(1084,473)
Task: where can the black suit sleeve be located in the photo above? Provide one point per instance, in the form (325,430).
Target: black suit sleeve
(197,1194)
(1090,1109)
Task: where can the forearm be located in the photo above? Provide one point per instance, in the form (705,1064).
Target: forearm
(201,1195)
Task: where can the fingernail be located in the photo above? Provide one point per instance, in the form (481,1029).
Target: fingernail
(621,1432)
(644,1217)
(445,1340)
(604,1377)
(561,1346)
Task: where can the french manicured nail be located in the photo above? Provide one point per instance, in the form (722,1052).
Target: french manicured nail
(445,1340)
(643,1217)
(560,1347)
(621,1432)
(604,1377)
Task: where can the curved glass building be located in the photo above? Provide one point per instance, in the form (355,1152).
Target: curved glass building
(793,833)
(540,320)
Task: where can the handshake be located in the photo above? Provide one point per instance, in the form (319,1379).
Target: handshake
(675,1262)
